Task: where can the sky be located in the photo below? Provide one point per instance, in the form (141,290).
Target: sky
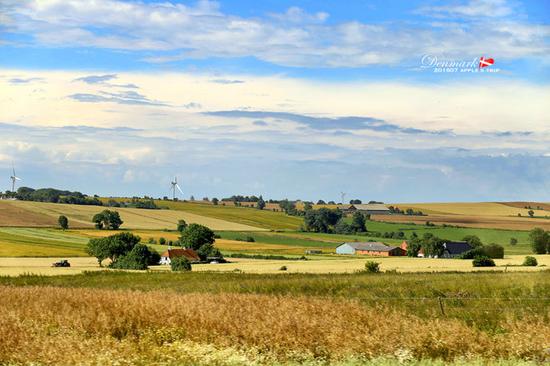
(383,100)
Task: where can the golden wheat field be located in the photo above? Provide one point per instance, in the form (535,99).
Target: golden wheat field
(49,325)
(41,214)
(326,264)
(471,208)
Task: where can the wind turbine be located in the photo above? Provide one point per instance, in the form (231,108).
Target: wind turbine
(343,195)
(14,178)
(175,186)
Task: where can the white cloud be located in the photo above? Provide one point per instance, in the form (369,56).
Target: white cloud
(294,38)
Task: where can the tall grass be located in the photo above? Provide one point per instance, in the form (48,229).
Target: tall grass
(74,325)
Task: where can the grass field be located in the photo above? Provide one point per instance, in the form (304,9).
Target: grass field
(207,318)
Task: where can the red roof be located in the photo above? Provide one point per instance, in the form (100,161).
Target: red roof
(187,253)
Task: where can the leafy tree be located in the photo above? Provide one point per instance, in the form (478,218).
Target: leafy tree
(413,247)
(260,205)
(355,202)
(473,240)
(180,264)
(307,206)
(540,241)
(432,245)
(63,222)
(107,219)
(195,236)
(215,201)
(358,222)
(513,241)
(531,213)
(162,241)
(208,250)
(343,228)
(322,220)
(181,225)
(112,247)
(321,202)
(137,258)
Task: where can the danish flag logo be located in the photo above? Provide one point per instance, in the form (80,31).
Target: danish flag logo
(484,62)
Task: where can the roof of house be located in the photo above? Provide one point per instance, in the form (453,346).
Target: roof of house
(370,246)
(187,253)
(457,247)
(371,207)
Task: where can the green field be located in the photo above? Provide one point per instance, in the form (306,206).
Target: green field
(242,215)
(27,242)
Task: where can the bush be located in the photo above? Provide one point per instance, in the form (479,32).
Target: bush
(162,241)
(180,264)
(494,251)
(483,261)
(283,268)
(530,261)
(372,267)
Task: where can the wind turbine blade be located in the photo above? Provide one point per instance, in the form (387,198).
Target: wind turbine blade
(17,178)
(179,189)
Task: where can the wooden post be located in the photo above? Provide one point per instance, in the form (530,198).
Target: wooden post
(441,306)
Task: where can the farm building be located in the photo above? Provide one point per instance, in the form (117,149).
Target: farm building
(370,248)
(369,209)
(452,249)
(190,254)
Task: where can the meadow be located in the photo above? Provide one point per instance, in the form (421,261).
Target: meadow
(213,318)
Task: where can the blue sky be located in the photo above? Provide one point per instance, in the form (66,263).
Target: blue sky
(297,99)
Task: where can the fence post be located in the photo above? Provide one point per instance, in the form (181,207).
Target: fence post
(441,306)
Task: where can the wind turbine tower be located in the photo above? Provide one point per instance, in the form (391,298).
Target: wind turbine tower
(14,178)
(175,186)
(343,195)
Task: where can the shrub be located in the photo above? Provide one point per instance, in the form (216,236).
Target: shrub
(493,251)
(162,241)
(530,261)
(283,268)
(483,261)
(63,222)
(180,264)
(372,267)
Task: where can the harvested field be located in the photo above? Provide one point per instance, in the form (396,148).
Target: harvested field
(316,264)
(498,222)
(81,216)
(470,208)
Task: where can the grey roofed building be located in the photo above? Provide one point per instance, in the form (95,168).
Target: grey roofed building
(455,248)
(369,208)
(377,248)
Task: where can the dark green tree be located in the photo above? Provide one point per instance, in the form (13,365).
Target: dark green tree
(473,240)
(540,241)
(181,225)
(322,220)
(107,219)
(112,247)
(180,264)
(513,241)
(195,236)
(215,201)
(63,222)
(358,222)
(260,205)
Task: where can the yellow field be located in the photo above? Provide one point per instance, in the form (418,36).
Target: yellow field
(81,216)
(332,264)
(471,209)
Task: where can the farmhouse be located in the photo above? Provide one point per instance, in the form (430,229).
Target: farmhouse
(369,209)
(370,248)
(190,254)
(452,249)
